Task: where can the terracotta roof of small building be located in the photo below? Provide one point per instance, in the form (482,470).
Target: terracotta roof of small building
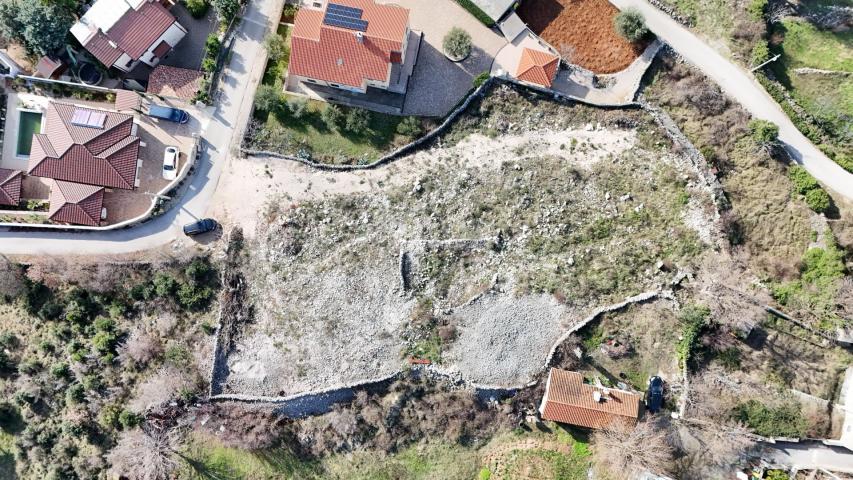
(568,400)
(133,34)
(10,186)
(174,82)
(536,66)
(75,203)
(47,67)
(127,100)
(337,55)
(104,156)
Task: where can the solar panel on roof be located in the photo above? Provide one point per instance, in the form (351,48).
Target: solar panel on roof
(345,22)
(88,118)
(344,10)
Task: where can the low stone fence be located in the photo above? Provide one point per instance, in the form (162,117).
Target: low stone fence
(669,10)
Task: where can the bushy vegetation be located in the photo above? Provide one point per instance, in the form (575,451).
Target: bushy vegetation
(209,64)
(764,133)
(226,9)
(476,12)
(278,50)
(804,184)
(76,352)
(785,420)
(694,319)
(814,292)
(197,8)
(457,43)
(630,24)
(41,27)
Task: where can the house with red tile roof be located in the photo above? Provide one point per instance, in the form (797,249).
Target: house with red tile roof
(569,400)
(537,67)
(123,33)
(10,186)
(351,45)
(87,146)
(75,203)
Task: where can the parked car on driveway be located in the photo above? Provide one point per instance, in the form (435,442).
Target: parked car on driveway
(170,163)
(654,395)
(202,226)
(168,113)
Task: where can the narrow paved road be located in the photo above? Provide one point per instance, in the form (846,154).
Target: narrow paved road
(743,87)
(237,89)
(810,455)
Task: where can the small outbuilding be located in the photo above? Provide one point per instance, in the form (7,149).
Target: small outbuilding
(569,400)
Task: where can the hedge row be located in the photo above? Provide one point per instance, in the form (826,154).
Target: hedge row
(475,10)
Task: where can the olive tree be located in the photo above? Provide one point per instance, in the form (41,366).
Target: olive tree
(40,26)
(457,43)
(630,24)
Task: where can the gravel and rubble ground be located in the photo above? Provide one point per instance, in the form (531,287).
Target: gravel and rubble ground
(563,208)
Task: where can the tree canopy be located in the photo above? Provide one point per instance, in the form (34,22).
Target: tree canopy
(40,27)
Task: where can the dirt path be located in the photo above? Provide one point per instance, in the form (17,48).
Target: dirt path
(249,183)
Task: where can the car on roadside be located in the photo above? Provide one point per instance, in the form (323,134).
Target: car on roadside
(654,395)
(170,163)
(168,113)
(204,225)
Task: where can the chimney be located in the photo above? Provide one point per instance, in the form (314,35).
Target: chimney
(359,36)
(605,392)
(596,395)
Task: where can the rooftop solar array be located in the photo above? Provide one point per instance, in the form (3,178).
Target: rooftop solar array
(88,118)
(345,17)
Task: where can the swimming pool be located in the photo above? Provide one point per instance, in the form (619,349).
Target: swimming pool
(28,124)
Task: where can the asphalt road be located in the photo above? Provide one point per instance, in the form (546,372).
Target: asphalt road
(221,135)
(742,86)
(810,455)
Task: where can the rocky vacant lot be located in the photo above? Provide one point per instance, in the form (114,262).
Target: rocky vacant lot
(518,223)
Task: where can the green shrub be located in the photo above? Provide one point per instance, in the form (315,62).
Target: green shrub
(782,421)
(104,342)
(105,324)
(764,133)
(61,370)
(142,291)
(75,394)
(268,98)
(776,475)
(485,474)
(7,364)
(194,297)
(803,181)
(91,382)
(197,8)
(164,285)
(358,121)
(226,9)
(332,116)
(128,419)
(212,45)
(630,24)
(208,65)
(481,79)
(476,12)
(10,417)
(297,106)
(693,318)
(410,127)
(818,200)
(730,358)
(177,355)
(275,45)
(760,53)
(108,416)
(457,43)
(9,340)
(756,8)
(30,366)
(201,272)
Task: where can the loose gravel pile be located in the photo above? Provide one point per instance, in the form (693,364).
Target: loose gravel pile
(504,341)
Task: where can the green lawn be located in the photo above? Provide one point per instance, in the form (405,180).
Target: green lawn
(807,46)
(309,134)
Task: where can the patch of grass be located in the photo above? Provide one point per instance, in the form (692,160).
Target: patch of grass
(206,459)
(816,290)
(772,421)
(693,318)
(417,462)
(807,46)
(476,12)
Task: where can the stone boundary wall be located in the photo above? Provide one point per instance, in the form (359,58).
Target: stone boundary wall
(669,10)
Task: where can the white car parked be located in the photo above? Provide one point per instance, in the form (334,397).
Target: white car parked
(170,163)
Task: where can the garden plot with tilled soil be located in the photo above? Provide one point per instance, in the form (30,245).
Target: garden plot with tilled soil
(522,219)
(582,30)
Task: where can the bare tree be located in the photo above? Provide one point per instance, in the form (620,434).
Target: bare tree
(141,455)
(163,387)
(11,279)
(140,347)
(622,450)
(567,54)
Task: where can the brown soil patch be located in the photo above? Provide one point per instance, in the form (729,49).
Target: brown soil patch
(586,28)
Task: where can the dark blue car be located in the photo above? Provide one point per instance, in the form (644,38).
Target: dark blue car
(199,227)
(168,113)
(654,396)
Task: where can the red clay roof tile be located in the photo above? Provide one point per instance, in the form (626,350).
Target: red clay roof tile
(10,186)
(75,203)
(537,67)
(174,82)
(338,55)
(568,400)
(106,157)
